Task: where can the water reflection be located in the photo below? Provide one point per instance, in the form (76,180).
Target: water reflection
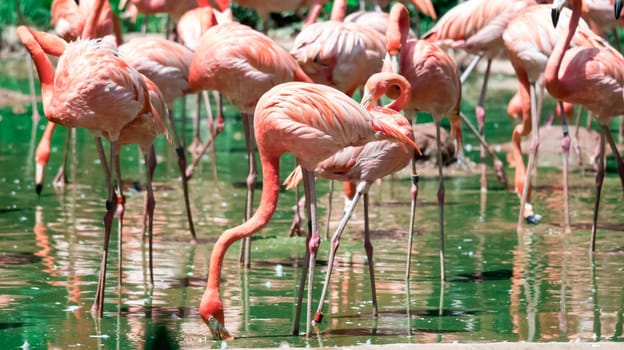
(540,285)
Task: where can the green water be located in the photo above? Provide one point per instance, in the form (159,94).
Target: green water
(540,285)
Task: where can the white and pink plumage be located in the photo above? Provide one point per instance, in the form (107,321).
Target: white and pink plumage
(592,75)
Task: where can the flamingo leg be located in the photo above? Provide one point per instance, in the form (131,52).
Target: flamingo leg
(565,146)
(329,208)
(618,157)
(150,204)
(414,196)
(471,66)
(121,204)
(480,113)
(182,167)
(61,176)
(368,247)
(577,146)
(304,270)
(524,200)
(599,180)
(440,201)
(196,144)
(98,303)
(215,129)
(335,243)
(296,226)
(313,242)
(499,169)
(245,254)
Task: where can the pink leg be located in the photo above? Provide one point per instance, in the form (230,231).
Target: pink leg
(98,304)
(150,164)
(245,254)
(599,180)
(368,246)
(414,195)
(441,192)
(335,243)
(565,146)
(480,113)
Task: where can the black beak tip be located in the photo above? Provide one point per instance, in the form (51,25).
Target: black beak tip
(554,15)
(617,8)
(38,188)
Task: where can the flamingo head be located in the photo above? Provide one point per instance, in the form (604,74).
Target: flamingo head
(617,8)
(211,311)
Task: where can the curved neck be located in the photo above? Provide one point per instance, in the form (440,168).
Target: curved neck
(401,102)
(43,64)
(338,10)
(551,74)
(268,204)
(398,29)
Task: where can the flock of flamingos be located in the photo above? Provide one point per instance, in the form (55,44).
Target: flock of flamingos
(300,101)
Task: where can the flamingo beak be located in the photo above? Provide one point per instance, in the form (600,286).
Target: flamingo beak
(218,329)
(39,175)
(617,7)
(556,10)
(396,63)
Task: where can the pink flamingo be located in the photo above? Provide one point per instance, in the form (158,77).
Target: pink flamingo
(477,27)
(364,165)
(313,122)
(242,64)
(166,64)
(191,26)
(339,54)
(591,75)
(69,19)
(435,88)
(529,40)
(94,88)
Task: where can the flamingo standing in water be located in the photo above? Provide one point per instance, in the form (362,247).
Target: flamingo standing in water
(313,122)
(477,27)
(591,75)
(191,26)
(166,64)
(94,88)
(529,39)
(242,64)
(435,88)
(364,165)
(69,19)
(342,55)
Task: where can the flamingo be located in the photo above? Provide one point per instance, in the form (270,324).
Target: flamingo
(424,6)
(69,20)
(364,165)
(339,54)
(242,64)
(529,40)
(166,64)
(591,75)
(94,88)
(477,27)
(191,26)
(435,88)
(378,19)
(311,121)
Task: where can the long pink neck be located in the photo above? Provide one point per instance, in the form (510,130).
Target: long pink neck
(338,10)
(90,29)
(551,74)
(43,64)
(268,204)
(398,29)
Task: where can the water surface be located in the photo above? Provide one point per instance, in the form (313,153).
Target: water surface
(540,285)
